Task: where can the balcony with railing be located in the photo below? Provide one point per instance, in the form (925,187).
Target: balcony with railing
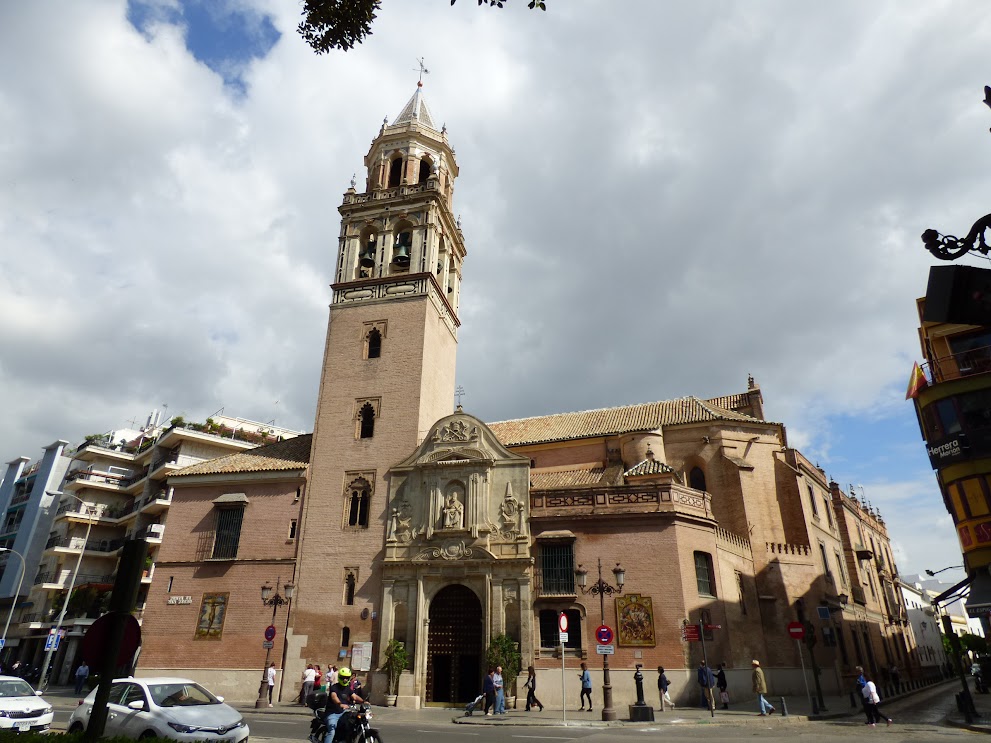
(967,363)
(96,478)
(20,497)
(106,546)
(160,460)
(60,579)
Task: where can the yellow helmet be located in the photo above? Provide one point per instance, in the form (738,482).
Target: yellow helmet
(344,673)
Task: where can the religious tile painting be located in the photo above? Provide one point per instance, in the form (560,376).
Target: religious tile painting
(636,621)
(213,611)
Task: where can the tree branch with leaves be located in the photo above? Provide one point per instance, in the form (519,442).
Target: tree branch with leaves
(341,24)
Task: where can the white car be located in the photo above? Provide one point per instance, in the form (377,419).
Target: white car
(174,708)
(21,707)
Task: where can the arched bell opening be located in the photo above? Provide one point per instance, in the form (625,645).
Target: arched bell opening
(454,646)
(396,172)
(402,247)
(426,167)
(367,250)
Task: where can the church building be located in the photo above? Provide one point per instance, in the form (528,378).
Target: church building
(420,523)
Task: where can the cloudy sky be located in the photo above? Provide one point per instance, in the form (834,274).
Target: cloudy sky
(658,198)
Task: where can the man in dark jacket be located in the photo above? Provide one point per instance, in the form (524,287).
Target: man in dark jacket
(706,682)
(721,685)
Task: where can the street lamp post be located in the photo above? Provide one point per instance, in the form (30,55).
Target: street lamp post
(17,593)
(933,573)
(602,588)
(271,597)
(91,518)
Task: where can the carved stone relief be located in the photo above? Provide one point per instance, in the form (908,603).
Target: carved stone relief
(453,549)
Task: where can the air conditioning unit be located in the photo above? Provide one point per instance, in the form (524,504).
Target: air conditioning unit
(156,530)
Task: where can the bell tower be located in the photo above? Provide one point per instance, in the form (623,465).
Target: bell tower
(388,376)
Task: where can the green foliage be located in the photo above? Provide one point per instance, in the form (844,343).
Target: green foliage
(504,651)
(974,643)
(340,24)
(177,422)
(396,661)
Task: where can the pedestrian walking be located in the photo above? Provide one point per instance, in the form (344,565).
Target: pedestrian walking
(82,673)
(586,679)
(488,689)
(531,690)
(319,677)
(500,704)
(270,680)
(722,685)
(331,676)
(896,679)
(706,681)
(760,689)
(871,702)
(662,688)
(309,676)
(861,683)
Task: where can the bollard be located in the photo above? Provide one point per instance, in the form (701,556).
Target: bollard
(784,707)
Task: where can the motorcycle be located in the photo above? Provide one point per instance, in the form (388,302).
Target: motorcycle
(353,727)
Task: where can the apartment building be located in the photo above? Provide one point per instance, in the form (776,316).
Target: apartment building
(115,488)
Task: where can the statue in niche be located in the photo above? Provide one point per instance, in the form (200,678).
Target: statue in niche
(402,518)
(453,512)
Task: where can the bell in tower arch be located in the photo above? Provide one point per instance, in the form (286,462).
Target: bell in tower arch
(366,259)
(401,251)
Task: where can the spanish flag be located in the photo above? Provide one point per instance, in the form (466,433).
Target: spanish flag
(916,383)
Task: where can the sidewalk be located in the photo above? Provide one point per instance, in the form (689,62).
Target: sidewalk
(982,703)
(799,710)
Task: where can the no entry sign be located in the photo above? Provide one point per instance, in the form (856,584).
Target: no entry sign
(796,630)
(603,633)
(562,622)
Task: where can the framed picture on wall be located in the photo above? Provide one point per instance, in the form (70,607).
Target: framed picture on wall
(636,621)
(213,611)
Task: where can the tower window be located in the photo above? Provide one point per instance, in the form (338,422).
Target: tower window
(374,343)
(696,478)
(350,582)
(396,172)
(703,574)
(366,428)
(358,503)
(424,170)
(345,636)
(292,528)
(812,501)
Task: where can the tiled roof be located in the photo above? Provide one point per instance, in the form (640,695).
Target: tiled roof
(415,109)
(731,402)
(291,454)
(648,416)
(648,467)
(579,477)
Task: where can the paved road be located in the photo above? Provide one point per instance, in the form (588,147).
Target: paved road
(918,718)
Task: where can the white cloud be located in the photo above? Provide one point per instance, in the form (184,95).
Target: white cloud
(657,201)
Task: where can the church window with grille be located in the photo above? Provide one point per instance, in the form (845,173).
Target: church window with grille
(549,629)
(696,478)
(703,574)
(557,569)
(228,533)
(366,421)
(425,166)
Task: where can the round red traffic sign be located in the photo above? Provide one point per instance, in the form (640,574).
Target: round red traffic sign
(562,622)
(603,633)
(270,632)
(796,630)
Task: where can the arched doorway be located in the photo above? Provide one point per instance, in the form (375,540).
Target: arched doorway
(454,646)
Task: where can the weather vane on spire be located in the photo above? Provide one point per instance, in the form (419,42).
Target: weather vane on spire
(423,71)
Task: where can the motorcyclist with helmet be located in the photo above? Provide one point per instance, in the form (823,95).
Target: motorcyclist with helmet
(340,697)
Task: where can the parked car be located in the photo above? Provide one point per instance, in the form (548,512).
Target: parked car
(21,707)
(174,708)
